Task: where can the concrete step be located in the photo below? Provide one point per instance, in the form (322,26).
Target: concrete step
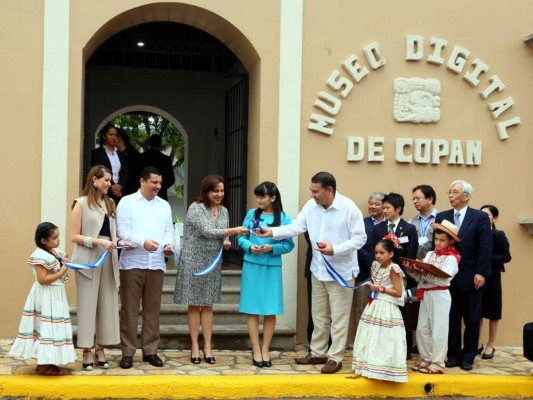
(229,277)
(230,294)
(226,314)
(224,337)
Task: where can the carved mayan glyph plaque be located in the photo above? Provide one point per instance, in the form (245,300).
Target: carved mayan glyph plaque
(417,100)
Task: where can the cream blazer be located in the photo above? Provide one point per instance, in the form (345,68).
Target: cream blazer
(91,223)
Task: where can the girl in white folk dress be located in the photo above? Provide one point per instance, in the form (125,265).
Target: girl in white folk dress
(45,330)
(379,347)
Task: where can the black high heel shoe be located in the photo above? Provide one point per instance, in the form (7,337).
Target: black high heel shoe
(268,363)
(102,364)
(209,360)
(258,364)
(87,366)
(480,349)
(195,360)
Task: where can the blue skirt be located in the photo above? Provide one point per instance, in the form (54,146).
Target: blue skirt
(261,289)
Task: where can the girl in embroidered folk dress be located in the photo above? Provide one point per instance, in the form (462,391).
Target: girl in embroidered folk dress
(45,331)
(379,347)
(432,328)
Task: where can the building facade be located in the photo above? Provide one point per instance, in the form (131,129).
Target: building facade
(384,95)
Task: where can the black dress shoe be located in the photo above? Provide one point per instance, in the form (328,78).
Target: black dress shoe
(452,363)
(126,362)
(153,359)
(195,360)
(466,366)
(488,356)
(258,364)
(209,360)
(267,364)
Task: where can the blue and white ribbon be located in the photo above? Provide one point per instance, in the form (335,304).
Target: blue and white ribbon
(211,266)
(339,279)
(97,264)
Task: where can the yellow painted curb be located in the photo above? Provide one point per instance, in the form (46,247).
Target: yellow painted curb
(272,386)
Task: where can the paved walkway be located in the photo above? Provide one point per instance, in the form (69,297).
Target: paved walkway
(508,374)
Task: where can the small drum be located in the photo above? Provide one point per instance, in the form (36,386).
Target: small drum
(410,313)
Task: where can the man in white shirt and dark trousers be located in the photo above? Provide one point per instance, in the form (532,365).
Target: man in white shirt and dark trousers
(146,221)
(335,222)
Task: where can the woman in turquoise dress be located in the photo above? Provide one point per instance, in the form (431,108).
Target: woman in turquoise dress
(261,282)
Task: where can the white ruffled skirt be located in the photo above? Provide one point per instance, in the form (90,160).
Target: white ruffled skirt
(45,330)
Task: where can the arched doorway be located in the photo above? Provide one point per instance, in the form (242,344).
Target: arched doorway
(177,203)
(194,77)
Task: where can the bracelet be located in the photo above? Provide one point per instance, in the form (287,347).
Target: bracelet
(382,289)
(88,242)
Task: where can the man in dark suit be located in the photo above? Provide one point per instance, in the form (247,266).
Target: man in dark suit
(154,158)
(393,205)
(475,249)
(365,255)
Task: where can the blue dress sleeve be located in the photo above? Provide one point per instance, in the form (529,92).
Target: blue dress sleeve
(244,240)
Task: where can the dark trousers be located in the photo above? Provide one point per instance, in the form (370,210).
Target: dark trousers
(466,307)
(140,287)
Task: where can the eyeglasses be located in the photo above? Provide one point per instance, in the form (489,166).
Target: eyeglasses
(455,192)
(418,198)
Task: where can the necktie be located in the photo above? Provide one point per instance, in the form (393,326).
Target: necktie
(457,219)
(391,228)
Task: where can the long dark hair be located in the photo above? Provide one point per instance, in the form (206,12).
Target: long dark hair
(493,210)
(387,245)
(267,188)
(44,231)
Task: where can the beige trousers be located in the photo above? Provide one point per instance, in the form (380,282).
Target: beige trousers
(331,308)
(98,307)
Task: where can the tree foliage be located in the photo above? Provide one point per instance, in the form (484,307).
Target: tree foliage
(141,125)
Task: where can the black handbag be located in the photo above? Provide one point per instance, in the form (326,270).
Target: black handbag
(528,341)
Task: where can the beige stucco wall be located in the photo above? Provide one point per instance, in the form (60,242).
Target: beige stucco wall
(492,31)
(21,48)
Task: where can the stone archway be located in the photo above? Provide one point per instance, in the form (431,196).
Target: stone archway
(179,14)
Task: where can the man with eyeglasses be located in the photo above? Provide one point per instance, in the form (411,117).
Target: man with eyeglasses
(475,249)
(424,199)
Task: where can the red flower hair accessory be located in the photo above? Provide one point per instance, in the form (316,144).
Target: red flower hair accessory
(394,239)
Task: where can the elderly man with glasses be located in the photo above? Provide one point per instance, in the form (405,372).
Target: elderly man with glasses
(475,249)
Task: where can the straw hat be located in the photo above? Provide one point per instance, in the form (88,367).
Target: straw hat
(449,228)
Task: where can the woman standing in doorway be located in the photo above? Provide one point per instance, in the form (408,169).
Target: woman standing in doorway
(261,281)
(109,156)
(206,231)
